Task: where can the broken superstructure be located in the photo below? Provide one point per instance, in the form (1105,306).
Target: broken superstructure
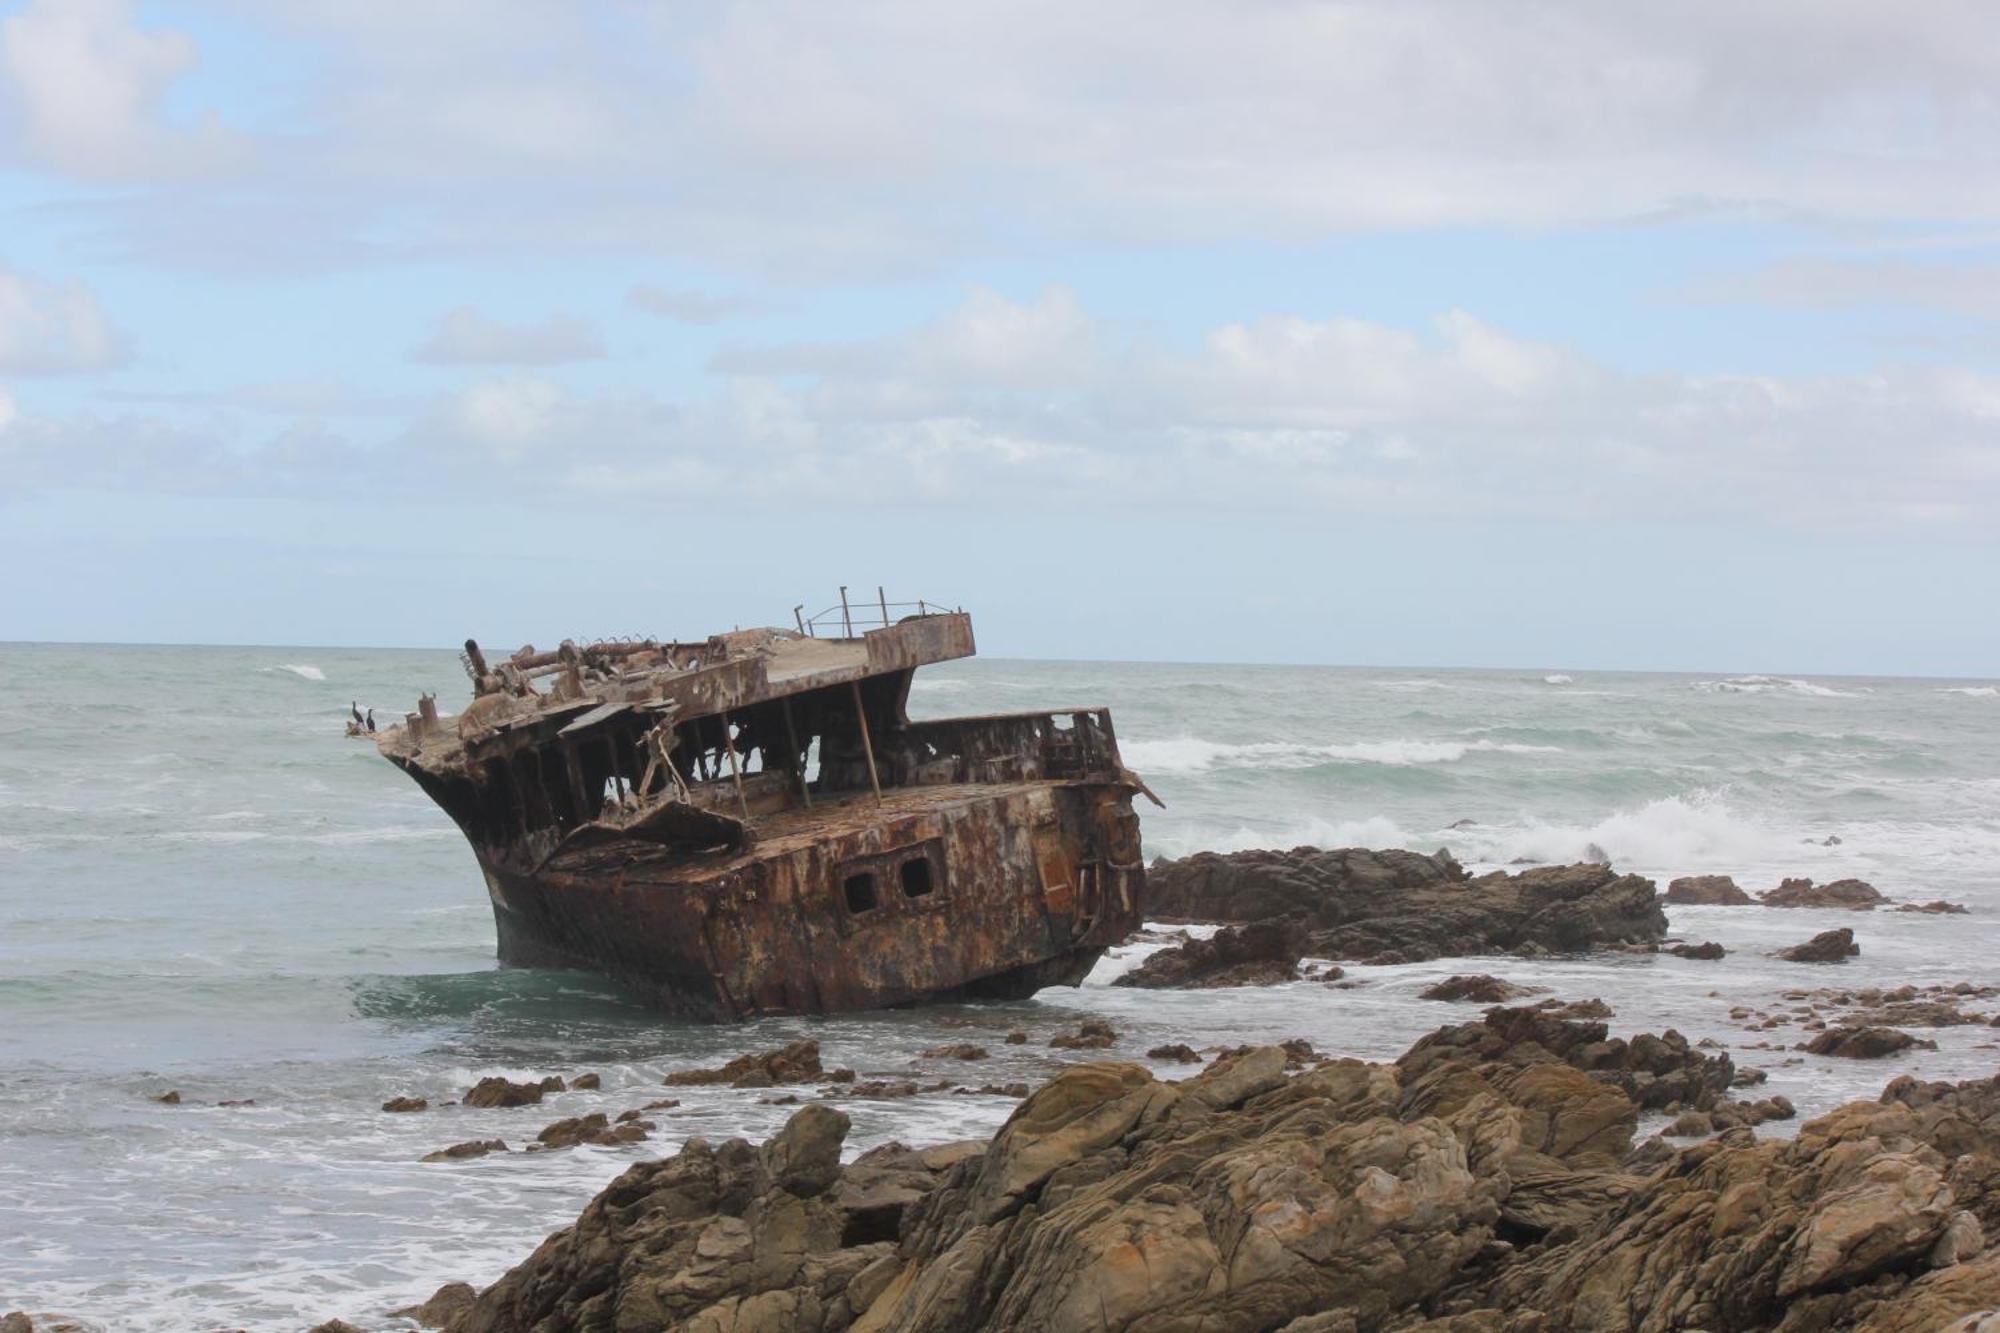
(751,824)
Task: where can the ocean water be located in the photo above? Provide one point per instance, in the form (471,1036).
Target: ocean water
(205,887)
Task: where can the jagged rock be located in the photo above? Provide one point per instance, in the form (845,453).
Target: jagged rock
(1479,988)
(1092,1035)
(1706,891)
(1258,954)
(470,1148)
(1179,1052)
(1866,1043)
(1402,907)
(1485,1183)
(574,1130)
(961,1051)
(16,1322)
(796,1063)
(498,1091)
(1829,946)
(1853,894)
(1707,952)
(1653,1071)
(586,1082)
(444,1305)
(1017,1038)
(334,1326)
(171,1097)
(1937,907)
(402,1104)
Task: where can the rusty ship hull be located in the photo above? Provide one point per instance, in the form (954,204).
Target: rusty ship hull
(753,825)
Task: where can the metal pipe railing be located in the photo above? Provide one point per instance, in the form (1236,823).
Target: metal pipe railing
(847,616)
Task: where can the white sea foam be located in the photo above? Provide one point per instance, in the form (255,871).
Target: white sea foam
(1189,754)
(1558,678)
(1773,685)
(1973,691)
(303,670)
(1673,836)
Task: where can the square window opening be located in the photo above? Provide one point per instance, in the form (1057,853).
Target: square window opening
(859,890)
(916,877)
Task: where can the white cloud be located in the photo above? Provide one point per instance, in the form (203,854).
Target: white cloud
(803,138)
(508,414)
(689,307)
(90,84)
(466,337)
(51,328)
(1279,415)
(7,409)
(1825,283)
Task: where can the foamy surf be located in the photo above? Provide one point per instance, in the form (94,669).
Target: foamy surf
(1188,754)
(1774,685)
(1558,678)
(303,670)
(1973,691)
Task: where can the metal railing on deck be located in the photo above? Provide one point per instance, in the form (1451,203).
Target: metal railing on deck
(853,615)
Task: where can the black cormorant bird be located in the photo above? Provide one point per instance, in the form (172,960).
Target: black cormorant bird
(371,721)
(354,708)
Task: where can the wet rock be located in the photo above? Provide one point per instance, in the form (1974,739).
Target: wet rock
(1937,907)
(1017,1038)
(470,1148)
(961,1051)
(334,1326)
(553,1083)
(1479,989)
(804,1158)
(444,1305)
(1654,1071)
(1399,907)
(240,1101)
(1853,894)
(1692,1124)
(572,1131)
(501,1092)
(586,1082)
(1868,1043)
(404,1104)
(796,1063)
(1829,946)
(662,1104)
(877,1089)
(1179,1052)
(1707,952)
(1014,1090)
(1259,954)
(1706,891)
(1091,1035)
(169,1098)
(1580,1009)
(16,1322)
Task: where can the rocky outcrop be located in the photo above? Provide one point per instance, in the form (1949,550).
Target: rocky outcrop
(1707,952)
(1479,989)
(1856,895)
(1829,946)
(1091,1035)
(470,1148)
(1865,1043)
(1706,891)
(498,1091)
(1258,954)
(796,1063)
(1388,907)
(1484,1183)
(444,1305)
(402,1105)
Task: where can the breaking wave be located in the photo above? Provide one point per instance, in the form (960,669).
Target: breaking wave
(303,670)
(1772,685)
(1558,678)
(1187,754)
(1973,691)
(1673,835)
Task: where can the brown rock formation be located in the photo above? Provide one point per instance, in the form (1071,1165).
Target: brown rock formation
(1829,946)
(1258,954)
(1865,1043)
(1484,1183)
(796,1063)
(1403,907)
(1708,952)
(1856,895)
(1478,988)
(498,1091)
(444,1305)
(1706,891)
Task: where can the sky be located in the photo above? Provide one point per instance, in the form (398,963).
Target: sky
(1414,332)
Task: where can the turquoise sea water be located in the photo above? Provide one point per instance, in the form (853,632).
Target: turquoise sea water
(205,887)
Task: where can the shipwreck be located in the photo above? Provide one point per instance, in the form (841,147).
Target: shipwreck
(751,824)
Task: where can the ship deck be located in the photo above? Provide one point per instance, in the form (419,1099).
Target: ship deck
(791,830)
